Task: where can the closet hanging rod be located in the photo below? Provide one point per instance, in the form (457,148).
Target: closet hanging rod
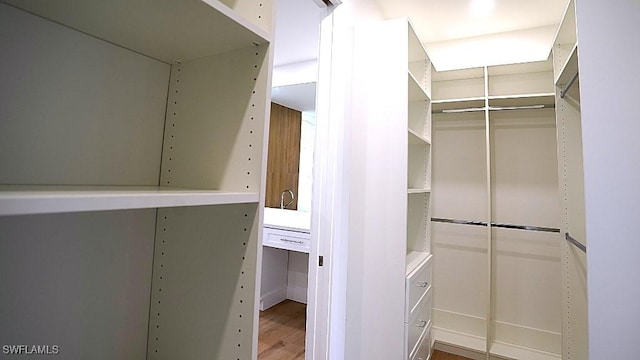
(494,108)
(564,90)
(460,222)
(526,227)
(506,226)
(463,110)
(575,242)
(525,107)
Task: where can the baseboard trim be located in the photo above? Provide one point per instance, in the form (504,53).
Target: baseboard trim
(273,297)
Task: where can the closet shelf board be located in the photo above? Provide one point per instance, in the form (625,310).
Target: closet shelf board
(28,199)
(458,339)
(415,138)
(419,191)
(569,69)
(461,103)
(547,99)
(516,352)
(168,31)
(414,259)
(456,100)
(416,92)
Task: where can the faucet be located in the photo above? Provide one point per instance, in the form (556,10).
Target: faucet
(282,205)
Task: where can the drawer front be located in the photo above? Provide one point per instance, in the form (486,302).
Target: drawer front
(424,349)
(417,284)
(288,240)
(419,323)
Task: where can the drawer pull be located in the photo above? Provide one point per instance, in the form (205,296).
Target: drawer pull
(422,324)
(292,241)
(423,284)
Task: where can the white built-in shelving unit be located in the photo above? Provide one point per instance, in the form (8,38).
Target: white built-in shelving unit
(132,143)
(391,194)
(571,171)
(495,164)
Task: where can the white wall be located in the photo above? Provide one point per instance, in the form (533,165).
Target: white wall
(608,58)
(327,284)
(297,276)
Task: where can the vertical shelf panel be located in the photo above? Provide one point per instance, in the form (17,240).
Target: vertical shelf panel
(521,79)
(418,112)
(574,261)
(418,223)
(566,39)
(86,111)
(458,84)
(79,281)
(418,169)
(525,191)
(522,185)
(258,13)
(213,133)
(204,283)
(76,110)
(460,252)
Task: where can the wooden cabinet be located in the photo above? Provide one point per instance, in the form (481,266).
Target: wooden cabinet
(419,298)
(285,262)
(496,233)
(283,165)
(132,140)
(391,190)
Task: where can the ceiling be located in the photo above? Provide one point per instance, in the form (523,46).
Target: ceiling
(301,97)
(454,31)
(297,35)
(442,20)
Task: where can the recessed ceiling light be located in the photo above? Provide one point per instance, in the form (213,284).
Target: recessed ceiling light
(481,8)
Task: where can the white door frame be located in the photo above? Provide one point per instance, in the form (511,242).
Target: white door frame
(326,291)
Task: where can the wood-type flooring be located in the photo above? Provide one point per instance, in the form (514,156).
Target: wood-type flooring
(282,334)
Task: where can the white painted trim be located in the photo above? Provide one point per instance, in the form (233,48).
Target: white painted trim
(321,211)
(273,297)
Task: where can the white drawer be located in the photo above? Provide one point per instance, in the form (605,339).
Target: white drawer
(419,323)
(424,349)
(288,240)
(417,284)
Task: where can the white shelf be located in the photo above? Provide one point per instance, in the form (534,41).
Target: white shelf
(414,259)
(569,69)
(545,99)
(419,191)
(26,200)
(170,31)
(477,102)
(416,92)
(417,52)
(415,138)
(516,352)
(520,68)
(457,100)
(287,219)
(459,340)
(567,32)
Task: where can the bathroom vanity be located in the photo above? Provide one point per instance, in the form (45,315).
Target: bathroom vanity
(285,258)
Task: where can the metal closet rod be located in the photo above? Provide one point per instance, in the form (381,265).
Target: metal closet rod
(575,242)
(564,91)
(498,225)
(494,108)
